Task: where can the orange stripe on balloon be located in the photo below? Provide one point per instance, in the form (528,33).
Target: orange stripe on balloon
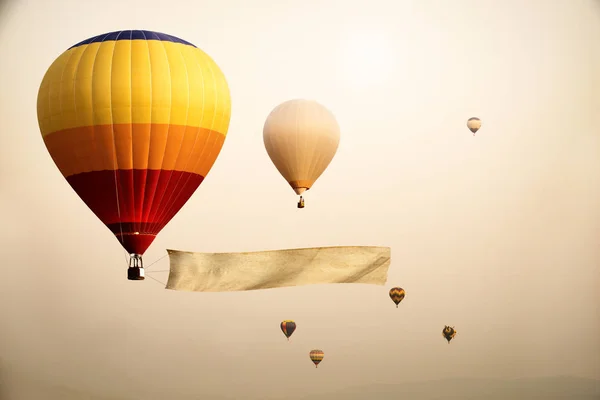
(301,184)
(138,146)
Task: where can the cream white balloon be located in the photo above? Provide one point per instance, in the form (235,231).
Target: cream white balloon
(474,124)
(301,138)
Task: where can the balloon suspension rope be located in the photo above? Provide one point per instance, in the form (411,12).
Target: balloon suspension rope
(151,264)
(153,278)
(126,257)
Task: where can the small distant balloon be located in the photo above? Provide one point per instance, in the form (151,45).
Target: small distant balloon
(449,332)
(316,356)
(474,124)
(397,295)
(288,327)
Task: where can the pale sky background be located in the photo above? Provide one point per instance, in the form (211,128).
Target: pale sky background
(496,234)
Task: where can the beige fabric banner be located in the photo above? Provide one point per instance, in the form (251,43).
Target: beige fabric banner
(228,272)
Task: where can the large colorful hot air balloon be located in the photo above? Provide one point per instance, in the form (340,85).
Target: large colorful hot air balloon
(397,295)
(288,327)
(448,333)
(134,120)
(301,138)
(316,356)
(474,124)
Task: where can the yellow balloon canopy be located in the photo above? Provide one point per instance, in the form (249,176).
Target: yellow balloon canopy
(134,120)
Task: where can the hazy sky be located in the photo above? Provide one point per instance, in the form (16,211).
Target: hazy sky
(495,234)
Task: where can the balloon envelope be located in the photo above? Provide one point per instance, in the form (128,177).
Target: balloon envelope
(301,138)
(288,327)
(397,294)
(474,124)
(134,120)
(448,332)
(316,356)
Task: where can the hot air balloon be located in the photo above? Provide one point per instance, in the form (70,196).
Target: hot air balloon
(301,138)
(288,327)
(134,121)
(397,295)
(316,356)
(448,333)
(474,124)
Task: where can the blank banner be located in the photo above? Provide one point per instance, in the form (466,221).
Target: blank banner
(229,272)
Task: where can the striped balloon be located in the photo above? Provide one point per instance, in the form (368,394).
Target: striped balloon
(397,295)
(134,120)
(288,327)
(448,333)
(316,356)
